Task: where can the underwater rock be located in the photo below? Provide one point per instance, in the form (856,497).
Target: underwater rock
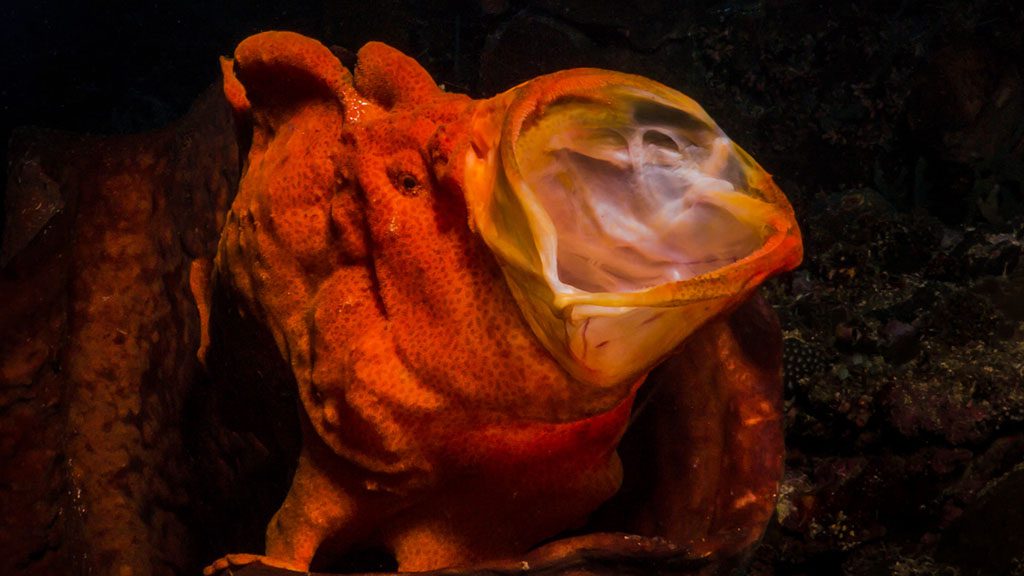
(895,438)
(100,333)
(986,537)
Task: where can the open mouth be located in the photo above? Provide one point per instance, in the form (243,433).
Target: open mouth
(624,218)
(638,194)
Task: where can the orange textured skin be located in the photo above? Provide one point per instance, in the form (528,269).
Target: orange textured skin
(426,398)
(435,424)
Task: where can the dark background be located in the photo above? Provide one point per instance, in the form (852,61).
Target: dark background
(895,128)
(827,97)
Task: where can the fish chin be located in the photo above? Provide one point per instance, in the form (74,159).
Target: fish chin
(623,218)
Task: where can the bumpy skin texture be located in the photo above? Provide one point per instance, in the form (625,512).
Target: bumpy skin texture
(434,422)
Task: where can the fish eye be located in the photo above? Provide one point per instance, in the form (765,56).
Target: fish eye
(405,178)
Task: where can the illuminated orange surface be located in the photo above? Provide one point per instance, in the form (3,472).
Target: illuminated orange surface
(438,420)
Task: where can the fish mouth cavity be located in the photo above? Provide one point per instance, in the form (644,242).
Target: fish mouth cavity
(635,196)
